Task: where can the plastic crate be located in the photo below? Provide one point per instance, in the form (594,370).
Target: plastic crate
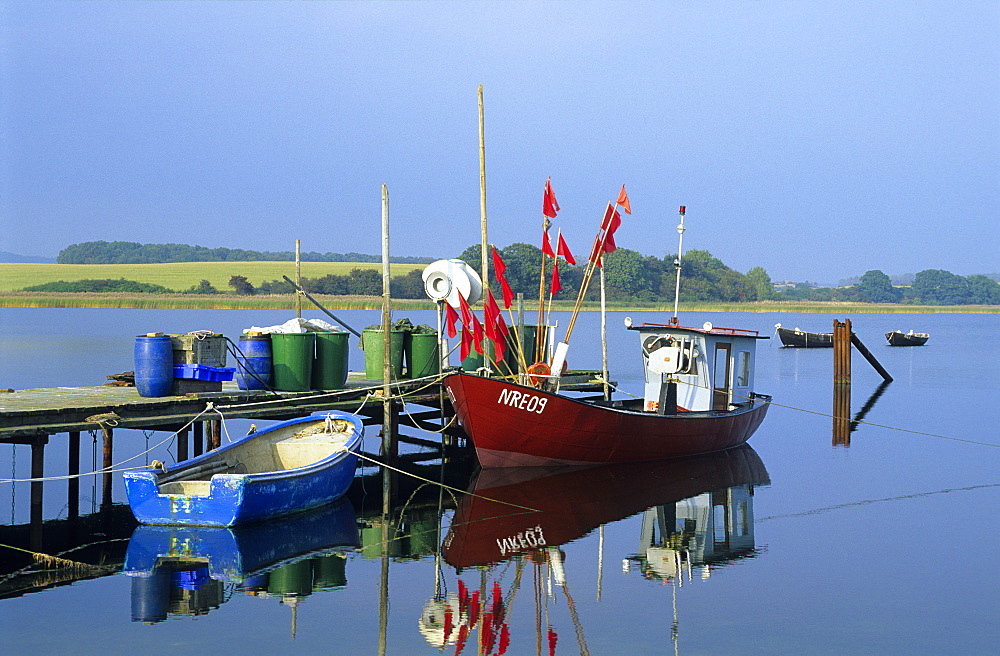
(203,372)
(190,349)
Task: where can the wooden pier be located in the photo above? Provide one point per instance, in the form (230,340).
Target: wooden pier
(34,416)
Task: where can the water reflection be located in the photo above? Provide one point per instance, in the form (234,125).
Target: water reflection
(190,570)
(696,512)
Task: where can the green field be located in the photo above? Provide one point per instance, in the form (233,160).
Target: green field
(179,276)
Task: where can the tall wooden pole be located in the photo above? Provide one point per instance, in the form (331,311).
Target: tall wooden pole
(388,420)
(388,438)
(298,280)
(482,190)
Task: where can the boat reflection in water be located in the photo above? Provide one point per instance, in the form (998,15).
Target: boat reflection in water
(190,570)
(697,511)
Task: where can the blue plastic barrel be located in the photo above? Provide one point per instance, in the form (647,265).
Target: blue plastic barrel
(151,596)
(253,367)
(154,365)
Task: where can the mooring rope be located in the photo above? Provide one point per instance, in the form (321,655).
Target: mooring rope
(831,416)
(865,502)
(115,468)
(433,482)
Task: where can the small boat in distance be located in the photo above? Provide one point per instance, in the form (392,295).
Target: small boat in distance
(899,338)
(287,468)
(801,339)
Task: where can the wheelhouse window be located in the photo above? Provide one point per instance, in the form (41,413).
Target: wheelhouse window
(743,370)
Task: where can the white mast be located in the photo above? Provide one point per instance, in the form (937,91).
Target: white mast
(677,264)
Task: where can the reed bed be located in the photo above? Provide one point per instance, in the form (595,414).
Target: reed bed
(285,302)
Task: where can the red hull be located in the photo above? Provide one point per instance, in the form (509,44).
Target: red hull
(513,425)
(570,502)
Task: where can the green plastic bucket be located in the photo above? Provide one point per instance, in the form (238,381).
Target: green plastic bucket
(422,356)
(292,360)
(374,346)
(329,369)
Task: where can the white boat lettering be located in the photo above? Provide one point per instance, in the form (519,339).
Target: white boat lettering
(522,401)
(533,538)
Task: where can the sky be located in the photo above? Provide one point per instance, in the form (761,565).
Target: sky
(816,139)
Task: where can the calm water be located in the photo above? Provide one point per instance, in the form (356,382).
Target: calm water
(792,547)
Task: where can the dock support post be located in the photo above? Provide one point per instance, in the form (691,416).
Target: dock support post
(74,470)
(37,473)
(215,437)
(182,444)
(198,438)
(109,439)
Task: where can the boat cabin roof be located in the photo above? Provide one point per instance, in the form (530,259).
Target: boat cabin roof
(706,329)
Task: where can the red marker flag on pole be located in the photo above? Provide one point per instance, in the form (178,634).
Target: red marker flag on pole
(563,250)
(546,246)
(549,203)
(451,318)
(466,343)
(477,335)
(623,201)
(555,286)
(467,315)
(499,267)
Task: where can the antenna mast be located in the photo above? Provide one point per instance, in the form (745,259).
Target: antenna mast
(677,263)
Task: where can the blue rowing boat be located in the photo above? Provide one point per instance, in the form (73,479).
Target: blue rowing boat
(289,467)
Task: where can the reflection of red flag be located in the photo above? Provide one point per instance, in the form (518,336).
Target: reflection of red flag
(463,635)
(549,203)
(451,318)
(552,641)
(555,286)
(504,640)
(623,201)
(449,625)
(563,250)
(546,246)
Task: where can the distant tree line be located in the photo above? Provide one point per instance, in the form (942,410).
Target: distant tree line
(629,277)
(929,287)
(126,252)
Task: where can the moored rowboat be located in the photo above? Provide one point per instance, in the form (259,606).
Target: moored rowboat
(899,338)
(289,467)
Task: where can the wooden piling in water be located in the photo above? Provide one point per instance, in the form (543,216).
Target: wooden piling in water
(109,438)
(74,470)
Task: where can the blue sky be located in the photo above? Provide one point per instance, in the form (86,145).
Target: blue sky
(816,139)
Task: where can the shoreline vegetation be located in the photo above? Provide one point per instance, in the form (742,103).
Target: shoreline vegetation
(15,299)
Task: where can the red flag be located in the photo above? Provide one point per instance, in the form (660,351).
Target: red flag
(451,318)
(609,233)
(549,203)
(623,201)
(466,344)
(499,267)
(467,316)
(555,286)
(546,246)
(563,250)
(477,335)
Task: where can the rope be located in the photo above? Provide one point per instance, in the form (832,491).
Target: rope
(447,487)
(865,502)
(115,467)
(865,423)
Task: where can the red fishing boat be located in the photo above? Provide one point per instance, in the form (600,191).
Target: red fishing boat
(699,398)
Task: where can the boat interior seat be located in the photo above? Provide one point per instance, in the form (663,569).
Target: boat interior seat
(302,451)
(188,488)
